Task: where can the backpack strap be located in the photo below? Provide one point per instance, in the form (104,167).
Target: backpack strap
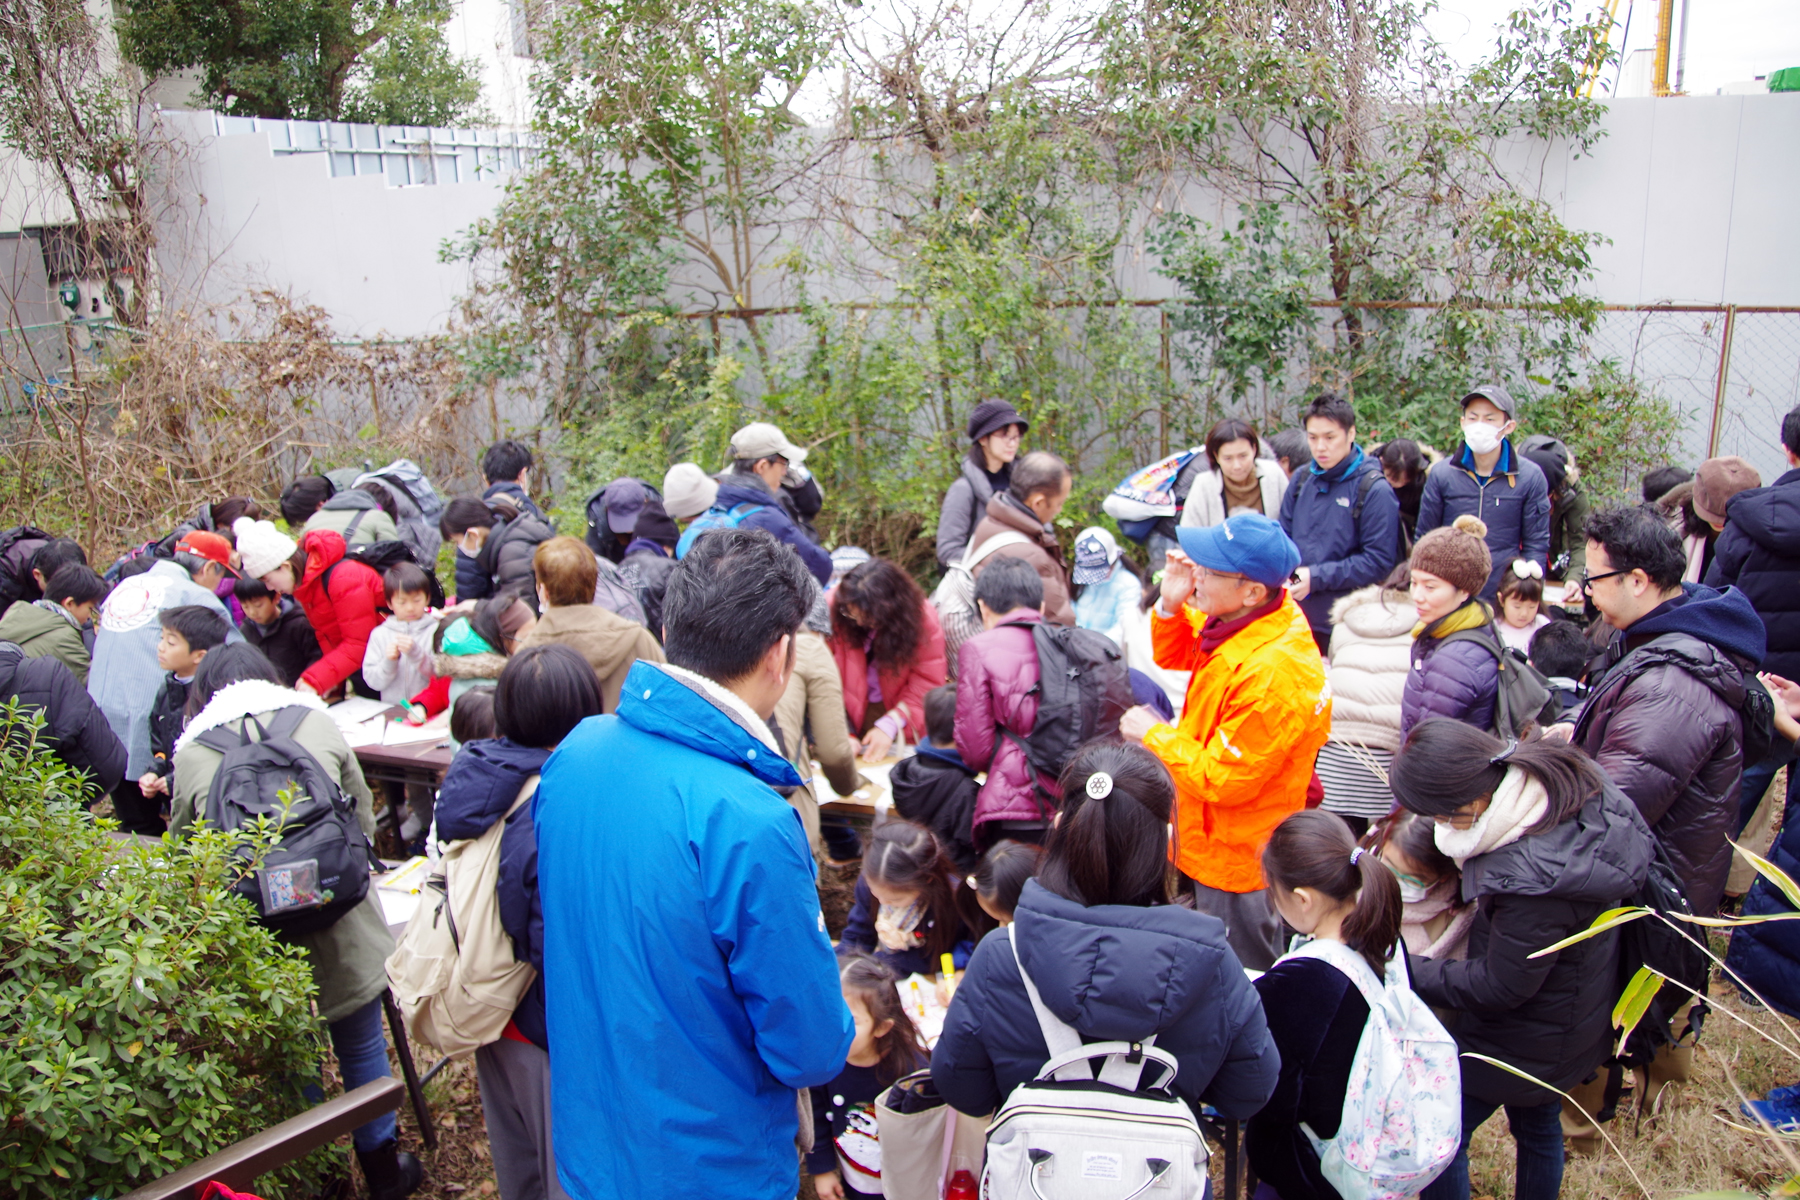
(1069,1056)
(999,541)
(1353,965)
(354,522)
(287,721)
(1364,483)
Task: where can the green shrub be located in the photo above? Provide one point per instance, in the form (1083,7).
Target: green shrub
(146,1019)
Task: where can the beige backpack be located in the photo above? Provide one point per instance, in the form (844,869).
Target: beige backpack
(453,973)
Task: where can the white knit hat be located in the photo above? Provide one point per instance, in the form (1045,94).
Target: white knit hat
(688,491)
(262,546)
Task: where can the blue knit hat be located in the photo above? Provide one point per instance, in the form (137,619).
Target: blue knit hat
(1249,544)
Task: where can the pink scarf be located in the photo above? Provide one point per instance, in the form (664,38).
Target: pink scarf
(1453,942)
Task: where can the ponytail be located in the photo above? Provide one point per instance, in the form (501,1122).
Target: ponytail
(1315,849)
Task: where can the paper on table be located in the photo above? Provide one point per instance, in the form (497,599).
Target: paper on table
(408,877)
(399,733)
(356,710)
(918,996)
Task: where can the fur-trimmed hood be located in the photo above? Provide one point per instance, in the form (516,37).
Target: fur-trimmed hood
(1372,613)
(242,699)
(469,666)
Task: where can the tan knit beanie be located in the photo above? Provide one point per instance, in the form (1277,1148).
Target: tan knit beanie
(1456,553)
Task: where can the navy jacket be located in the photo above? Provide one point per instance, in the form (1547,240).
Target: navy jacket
(1113,972)
(1759,552)
(168,715)
(1514,503)
(75,729)
(1340,552)
(936,788)
(481,783)
(859,934)
(773,519)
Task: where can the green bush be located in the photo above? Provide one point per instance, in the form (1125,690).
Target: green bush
(146,1019)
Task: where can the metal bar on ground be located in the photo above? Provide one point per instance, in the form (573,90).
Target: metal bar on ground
(414,1088)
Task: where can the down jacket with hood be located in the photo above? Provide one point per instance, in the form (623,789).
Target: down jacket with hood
(1459,680)
(1759,552)
(75,730)
(341,598)
(481,783)
(772,519)
(1514,503)
(1371,656)
(504,562)
(1548,1016)
(965,504)
(1113,972)
(903,687)
(1006,514)
(996,685)
(1664,722)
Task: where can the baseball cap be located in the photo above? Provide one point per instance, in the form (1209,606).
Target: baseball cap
(1496,395)
(1248,544)
(624,500)
(1095,553)
(759,440)
(210,546)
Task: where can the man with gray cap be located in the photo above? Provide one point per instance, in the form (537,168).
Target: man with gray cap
(761,455)
(1487,478)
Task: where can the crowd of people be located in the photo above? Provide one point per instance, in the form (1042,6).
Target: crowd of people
(1432,713)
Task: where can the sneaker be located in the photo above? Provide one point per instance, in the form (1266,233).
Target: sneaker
(1789,1095)
(1782,1115)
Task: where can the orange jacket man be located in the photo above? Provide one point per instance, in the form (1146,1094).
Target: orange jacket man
(1258,709)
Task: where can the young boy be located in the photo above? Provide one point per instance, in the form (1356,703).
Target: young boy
(398,660)
(1561,651)
(278,627)
(53,626)
(188,632)
(934,787)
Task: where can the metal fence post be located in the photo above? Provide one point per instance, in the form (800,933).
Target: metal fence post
(1718,412)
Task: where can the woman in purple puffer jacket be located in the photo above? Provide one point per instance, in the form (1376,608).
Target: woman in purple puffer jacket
(997,674)
(1456,679)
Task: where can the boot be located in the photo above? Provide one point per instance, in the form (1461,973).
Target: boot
(390,1174)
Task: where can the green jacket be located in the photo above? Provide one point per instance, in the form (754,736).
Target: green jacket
(41,632)
(372,524)
(349,958)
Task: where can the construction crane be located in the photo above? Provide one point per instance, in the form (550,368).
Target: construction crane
(1665,29)
(1592,74)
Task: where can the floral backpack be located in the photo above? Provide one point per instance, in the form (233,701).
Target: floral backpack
(1402,1115)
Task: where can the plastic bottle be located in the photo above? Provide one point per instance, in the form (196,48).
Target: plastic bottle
(963,1186)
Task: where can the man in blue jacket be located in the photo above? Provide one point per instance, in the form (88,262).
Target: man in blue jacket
(690,985)
(761,455)
(1490,479)
(1341,513)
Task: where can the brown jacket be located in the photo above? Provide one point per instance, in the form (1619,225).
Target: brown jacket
(1006,515)
(814,701)
(608,641)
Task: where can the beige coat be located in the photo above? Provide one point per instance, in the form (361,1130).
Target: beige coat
(1206,500)
(1371,653)
(814,702)
(1044,553)
(608,641)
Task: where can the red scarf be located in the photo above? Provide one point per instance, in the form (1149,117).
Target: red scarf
(1217,632)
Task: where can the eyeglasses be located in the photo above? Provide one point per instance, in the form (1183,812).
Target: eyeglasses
(1588,581)
(1232,575)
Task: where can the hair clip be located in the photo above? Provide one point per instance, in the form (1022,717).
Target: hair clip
(1527,568)
(1500,759)
(1099,785)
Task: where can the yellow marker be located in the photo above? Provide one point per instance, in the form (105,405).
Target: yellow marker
(948,964)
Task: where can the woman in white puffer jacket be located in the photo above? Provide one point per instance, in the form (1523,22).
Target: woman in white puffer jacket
(1371,653)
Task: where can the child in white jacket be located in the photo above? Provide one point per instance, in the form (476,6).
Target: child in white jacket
(398,660)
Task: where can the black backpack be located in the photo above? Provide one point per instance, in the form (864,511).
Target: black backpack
(379,556)
(320,869)
(1524,697)
(1083,689)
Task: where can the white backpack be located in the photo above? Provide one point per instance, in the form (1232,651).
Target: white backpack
(453,973)
(954,598)
(1402,1115)
(1068,1135)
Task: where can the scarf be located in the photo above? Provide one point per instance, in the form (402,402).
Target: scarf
(1519,803)
(1216,632)
(1472,615)
(1247,498)
(1444,898)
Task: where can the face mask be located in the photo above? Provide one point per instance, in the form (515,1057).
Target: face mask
(1481,438)
(1412,893)
(894,926)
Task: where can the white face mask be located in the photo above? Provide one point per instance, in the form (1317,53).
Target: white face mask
(1412,893)
(1480,437)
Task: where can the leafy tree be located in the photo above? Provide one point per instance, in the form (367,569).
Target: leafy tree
(320,60)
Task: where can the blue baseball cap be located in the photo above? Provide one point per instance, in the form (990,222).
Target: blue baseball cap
(1249,544)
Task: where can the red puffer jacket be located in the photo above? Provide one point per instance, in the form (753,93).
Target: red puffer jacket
(997,672)
(342,609)
(903,689)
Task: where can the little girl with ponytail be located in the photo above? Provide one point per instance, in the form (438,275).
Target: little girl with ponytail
(1323,884)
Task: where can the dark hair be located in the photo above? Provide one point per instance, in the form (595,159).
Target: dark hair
(1007,582)
(198,625)
(225,512)
(1525,587)
(1402,454)
(1314,849)
(1039,471)
(1662,480)
(55,554)
(75,581)
(505,461)
(1231,429)
(1332,407)
(1637,539)
(736,594)
(940,714)
(1289,444)
(874,983)
(908,856)
(472,716)
(485,620)
(232,663)
(301,498)
(136,566)
(1114,850)
(384,499)
(246,588)
(1790,430)
(463,514)
(405,577)
(1560,648)
(1416,837)
(1445,764)
(543,693)
(1003,870)
(893,606)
